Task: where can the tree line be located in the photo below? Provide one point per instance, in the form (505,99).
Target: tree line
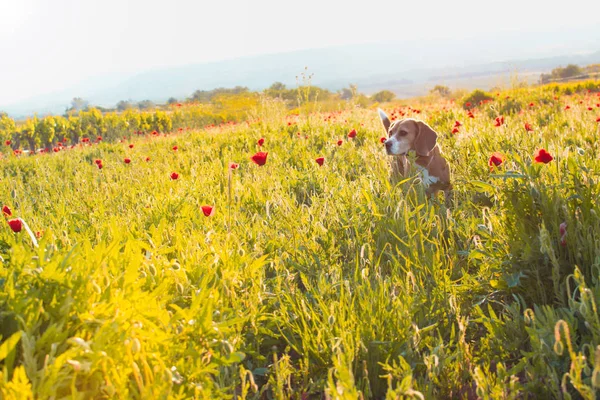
(204,107)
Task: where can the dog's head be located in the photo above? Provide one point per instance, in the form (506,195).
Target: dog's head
(406,135)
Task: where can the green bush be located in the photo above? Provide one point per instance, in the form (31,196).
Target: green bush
(476,98)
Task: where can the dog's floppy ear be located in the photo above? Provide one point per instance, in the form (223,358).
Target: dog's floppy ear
(426,139)
(384,119)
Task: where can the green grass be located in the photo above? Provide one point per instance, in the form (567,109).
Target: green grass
(309,281)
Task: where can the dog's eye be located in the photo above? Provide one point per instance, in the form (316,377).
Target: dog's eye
(402,133)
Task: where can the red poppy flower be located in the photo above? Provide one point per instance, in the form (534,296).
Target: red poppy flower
(259,158)
(8,142)
(208,210)
(542,156)
(99,138)
(590,108)
(320,160)
(496,159)
(457,124)
(98,161)
(563,234)
(499,121)
(598,119)
(567,107)
(131,146)
(6,211)
(15,224)
(154,133)
(339,142)
(127,160)
(382,140)
(455,130)
(468,104)
(528,127)
(174,176)
(147,159)
(531,104)
(352,134)
(470,115)
(233,165)
(100,166)
(260,141)
(39,234)
(175,148)
(563,229)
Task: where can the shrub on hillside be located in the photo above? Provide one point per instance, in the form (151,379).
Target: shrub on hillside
(475,98)
(383,96)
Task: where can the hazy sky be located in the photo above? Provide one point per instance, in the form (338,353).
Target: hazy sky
(46,45)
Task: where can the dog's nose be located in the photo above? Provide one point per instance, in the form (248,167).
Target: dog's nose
(388,144)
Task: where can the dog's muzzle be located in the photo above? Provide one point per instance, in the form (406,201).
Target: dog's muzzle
(388,146)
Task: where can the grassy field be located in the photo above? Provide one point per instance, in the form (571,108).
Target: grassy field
(308,281)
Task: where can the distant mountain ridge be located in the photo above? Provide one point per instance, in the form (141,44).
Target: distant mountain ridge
(406,67)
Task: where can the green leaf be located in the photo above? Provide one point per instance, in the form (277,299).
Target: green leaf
(482,187)
(9,345)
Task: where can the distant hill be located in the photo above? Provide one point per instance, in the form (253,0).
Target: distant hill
(406,67)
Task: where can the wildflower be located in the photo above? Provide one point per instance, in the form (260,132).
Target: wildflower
(99,138)
(131,146)
(567,107)
(127,160)
(100,166)
(457,124)
(233,165)
(39,234)
(563,234)
(455,130)
(260,142)
(320,160)
(339,142)
(496,159)
(528,127)
(174,176)
(531,104)
(382,140)
(542,156)
(470,115)
(15,224)
(352,134)
(6,211)
(98,162)
(259,158)
(8,143)
(499,121)
(175,148)
(208,210)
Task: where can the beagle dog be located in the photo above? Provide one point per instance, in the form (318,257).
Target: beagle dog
(414,135)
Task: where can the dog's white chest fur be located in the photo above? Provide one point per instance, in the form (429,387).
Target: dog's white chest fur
(426,178)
